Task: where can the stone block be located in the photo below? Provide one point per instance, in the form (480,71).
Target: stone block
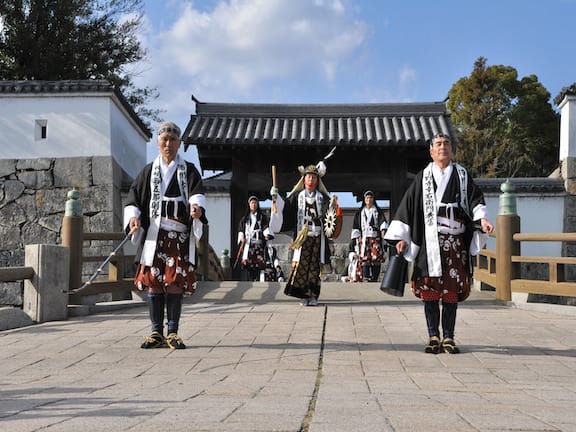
(10,237)
(51,201)
(73,172)
(10,293)
(36,179)
(42,164)
(46,294)
(102,169)
(7,167)
(12,190)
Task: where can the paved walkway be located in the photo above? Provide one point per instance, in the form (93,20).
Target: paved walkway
(257,361)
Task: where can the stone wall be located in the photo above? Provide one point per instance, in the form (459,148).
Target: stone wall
(33,195)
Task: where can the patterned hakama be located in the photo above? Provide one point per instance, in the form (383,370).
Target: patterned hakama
(304,280)
(171,266)
(256,259)
(373,251)
(454,284)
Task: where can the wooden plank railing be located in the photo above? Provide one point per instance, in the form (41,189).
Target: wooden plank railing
(15,274)
(490,264)
(115,282)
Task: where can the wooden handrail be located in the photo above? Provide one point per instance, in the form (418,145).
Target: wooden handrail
(487,265)
(542,259)
(103,235)
(544,237)
(13,274)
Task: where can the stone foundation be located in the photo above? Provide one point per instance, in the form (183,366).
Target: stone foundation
(33,195)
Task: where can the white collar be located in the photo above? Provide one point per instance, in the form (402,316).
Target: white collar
(167,170)
(441,177)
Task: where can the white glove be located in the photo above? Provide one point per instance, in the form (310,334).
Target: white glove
(273,192)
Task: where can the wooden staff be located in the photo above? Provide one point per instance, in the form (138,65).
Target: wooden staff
(274,208)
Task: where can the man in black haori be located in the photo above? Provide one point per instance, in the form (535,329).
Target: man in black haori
(166,206)
(304,212)
(253,235)
(369,227)
(441,222)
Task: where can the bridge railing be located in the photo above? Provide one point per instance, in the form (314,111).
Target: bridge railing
(501,267)
(45,276)
(112,279)
(115,283)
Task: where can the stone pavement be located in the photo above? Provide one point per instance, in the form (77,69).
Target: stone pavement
(257,361)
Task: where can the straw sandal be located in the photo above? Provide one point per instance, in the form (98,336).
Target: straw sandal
(449,346)
(174,341)
(433,346)
(155,340)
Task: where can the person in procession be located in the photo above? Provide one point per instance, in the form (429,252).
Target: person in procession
(440,223)
(166,207)
(304,212)
(253,236)
(369,226)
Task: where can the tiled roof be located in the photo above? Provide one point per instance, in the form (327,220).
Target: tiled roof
(523,184)
(70,86)
(352,124)
(566,91)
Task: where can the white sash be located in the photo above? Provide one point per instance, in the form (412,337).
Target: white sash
(251,235)
(157,189)
(430,205)
(367,231)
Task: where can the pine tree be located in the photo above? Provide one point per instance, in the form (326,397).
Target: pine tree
(506,127)
(75,40)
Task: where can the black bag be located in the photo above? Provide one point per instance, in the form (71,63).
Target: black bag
(395,276)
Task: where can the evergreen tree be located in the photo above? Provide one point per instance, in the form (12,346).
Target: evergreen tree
(74,40)
(506,127)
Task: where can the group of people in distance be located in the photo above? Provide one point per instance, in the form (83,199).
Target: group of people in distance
(440,223)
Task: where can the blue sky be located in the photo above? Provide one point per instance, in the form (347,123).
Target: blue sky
(345,51)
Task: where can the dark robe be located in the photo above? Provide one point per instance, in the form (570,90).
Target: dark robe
(375,224)
(261,224)
(254,248)
(411,212)
(140,194)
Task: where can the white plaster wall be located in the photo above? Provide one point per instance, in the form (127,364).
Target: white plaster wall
(128,144)
(538,214)
(568,127)
(218,212)
(76,126)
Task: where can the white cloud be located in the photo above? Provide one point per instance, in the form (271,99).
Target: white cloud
(239,45)
(408,76)
(242,48)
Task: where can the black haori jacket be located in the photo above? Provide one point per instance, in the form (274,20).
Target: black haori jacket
(409,222)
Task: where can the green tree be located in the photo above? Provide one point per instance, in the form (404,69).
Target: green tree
(75,40)
(506,127)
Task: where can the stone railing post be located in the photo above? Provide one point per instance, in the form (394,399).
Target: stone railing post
(508,224)
(45,294)
(72,237)
(225,264)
